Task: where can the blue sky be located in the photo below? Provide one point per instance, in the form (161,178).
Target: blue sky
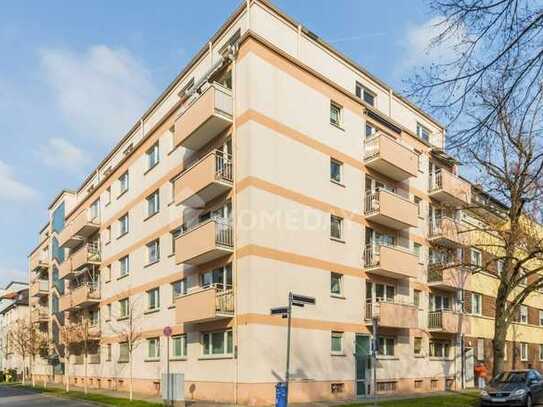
(73,79)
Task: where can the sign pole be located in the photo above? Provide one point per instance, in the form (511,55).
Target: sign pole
(167,333)
(289,315)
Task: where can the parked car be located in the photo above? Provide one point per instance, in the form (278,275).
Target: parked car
(514,388)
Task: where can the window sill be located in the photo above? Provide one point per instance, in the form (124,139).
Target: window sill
(122,361)
(107,281)
(420,356)
(151,264)
(150,168)
(107,204)
(337,126)
(122,319)
(338,354)
(388,357)
(107,320)
(152,360)
(178,359)
(335,239)
(151,311)
(338,296)
(339,184)
(108,242)
(171,255)
(171,306)
(440,359)
(122,193)
(217,357)
(151,215)
(123,276)
(120,236)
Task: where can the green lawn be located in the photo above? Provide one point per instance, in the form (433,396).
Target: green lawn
(449,400)
(97,398)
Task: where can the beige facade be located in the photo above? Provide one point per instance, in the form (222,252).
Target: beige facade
(272,164)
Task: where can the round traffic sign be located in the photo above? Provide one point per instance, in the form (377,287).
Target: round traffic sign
(167,331)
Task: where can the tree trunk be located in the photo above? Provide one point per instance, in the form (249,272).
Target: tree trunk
(32,372)
(500,334)
(131,378)
(67,372)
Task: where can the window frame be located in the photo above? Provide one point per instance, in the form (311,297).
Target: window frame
(124,308)
(444,346)
(523,346)
(153,298)
(183,283)
(153,156)
(339,221)
(361,91)
(184,347)
(153,203)
(339,165)
(334,106)
(124,225)
(383,349)
(228,340)
(523,317)
(336,335)
(124,266)
(420,353)
(124,182)
(156,341)
(339,278)
(423,129)
(474,251)
(479,310)
(153,247)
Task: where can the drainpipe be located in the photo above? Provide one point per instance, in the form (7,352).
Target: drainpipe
(235,160)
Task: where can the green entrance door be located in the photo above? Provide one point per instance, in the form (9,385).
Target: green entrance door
(362,360)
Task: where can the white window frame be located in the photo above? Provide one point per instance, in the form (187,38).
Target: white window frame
(108,312)
(386,347)
(541,352)
(473,257)
(121,346)
(124,225)
(540,317)
(183,346)
(339,109)
(124,308)
(153,299)
(124,266)
(340,227)
(421,353)
(183,284)
(479,302)
(480,349)
(94,210)
(153,203)
(124,182)
(228,339)
(523,314)
(339,164)
(153,348)
(339,278)
(108,196)
(153,251)
(523,351)
(108,234)
(361,91)
(108,352)
(443,346)
(336,335)
(500,264)
(153,156)
(422,129)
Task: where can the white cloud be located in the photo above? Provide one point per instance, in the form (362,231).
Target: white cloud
(418,46)
(12,189)
(100,92)
(60,153)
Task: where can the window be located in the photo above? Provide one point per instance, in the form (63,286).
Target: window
(417,248)
(108,352)
(336,227)
(476,304)
(124,308)
(365,94)
(423,133)
(420,209)
(178,289)
(439,349)
(440,302)
(383,292)
(370,130)
(179,346)
(153,203)
(124,355)
(336,345)
(94,317)
(217,343)
(480,349)
(124,265)
(123,225)
(108,196)
(416,298)
(153,348)
(123,183)
(335,114)
(420,161)
(524,351)
(336,169)
(94,210)
(108,234)
(108,273)
(523,314)
(153,251)
(153,299)
(385,346)
(476,258)
(540,318)
(417,346)
(174,234)
(336,282)
(221,277)
(152,156)
(499,266)
(540,352)
(108,315)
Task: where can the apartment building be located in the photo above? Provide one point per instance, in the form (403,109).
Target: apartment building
(271,164)
(13,308)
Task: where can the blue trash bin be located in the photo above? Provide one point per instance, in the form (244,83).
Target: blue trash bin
(281,395)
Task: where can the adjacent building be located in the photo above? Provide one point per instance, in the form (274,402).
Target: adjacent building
(271,164)
(13,308)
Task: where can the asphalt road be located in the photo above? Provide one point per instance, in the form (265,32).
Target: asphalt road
(12,397)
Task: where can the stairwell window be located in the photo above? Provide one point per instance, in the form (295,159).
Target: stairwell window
(336,343)
(336,282)
(423,132)
(152,155)
(335,114)
(217,343)
(153,348)
(336,227)
(386,345)
(336,171)
(123,183)
(417,248)
(416,298)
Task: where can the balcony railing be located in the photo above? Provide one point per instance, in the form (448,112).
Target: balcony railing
(390,209)
(390,261)
(86,255)
(447,232)
(393,314)
(39,287)
(387,156)
(448,275)
(40,314)
(449,188)
(80,227)
(204,117)
(205,241)
(205,304)
(448,321)
(38,261)
(205,180)
(86,294)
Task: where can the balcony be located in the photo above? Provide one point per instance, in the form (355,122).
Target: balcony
(447,232)
(205,180)
(88,254)
(390,261)
(204,118)
(390,210)
(82,226)
(447,321)
(39,314)
(39,287)
(206,304)
(204,242)
(449,189)
(390,158)
(392,314)
(94,332)
(447,277)
(82,296)
(38,262)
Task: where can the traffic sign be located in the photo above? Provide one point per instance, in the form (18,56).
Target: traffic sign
(167,331)
(279,310)
(303,299)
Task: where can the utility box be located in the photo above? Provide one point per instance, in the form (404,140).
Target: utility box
(172,388)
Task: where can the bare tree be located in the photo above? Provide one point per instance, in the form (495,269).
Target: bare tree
(488,38)
(127,327)
(71,334)
(25,340)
